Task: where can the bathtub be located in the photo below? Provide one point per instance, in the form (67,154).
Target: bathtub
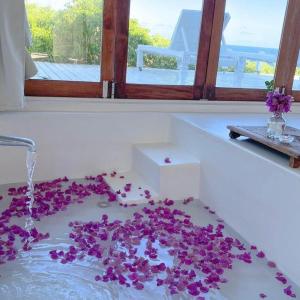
(238,180)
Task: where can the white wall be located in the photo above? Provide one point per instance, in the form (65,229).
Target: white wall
(77,144)
(256,196)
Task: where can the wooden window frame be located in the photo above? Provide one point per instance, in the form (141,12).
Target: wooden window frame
(58,88)
(296,95)
(116,15)
(83,89)
(154,91)
(289,49)
(108,40)
(285,66)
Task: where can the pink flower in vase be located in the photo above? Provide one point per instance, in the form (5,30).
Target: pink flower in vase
(278,102)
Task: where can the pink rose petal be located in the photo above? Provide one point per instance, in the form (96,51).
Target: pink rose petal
(260,254)
(262,295)
(167,160)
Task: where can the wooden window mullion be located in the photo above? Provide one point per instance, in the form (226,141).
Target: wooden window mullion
(296,95)
(239,94)
(108,40)
(59,88)
(289,47)
(121,46)
(214,51)
(154,91)
(164,92)
(76,89)
(204,47)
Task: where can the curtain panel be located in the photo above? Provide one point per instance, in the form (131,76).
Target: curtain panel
(15,62)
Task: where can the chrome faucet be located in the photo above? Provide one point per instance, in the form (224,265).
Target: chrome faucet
(17,141)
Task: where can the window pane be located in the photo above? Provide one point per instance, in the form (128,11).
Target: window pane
(250,42)
(163,41)
(66,38)
(296,85)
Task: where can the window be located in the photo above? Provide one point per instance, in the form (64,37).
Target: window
(163,41)
(296,85)
(66,39)
(168,49)
(250,42)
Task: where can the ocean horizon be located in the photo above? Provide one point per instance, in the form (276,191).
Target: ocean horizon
(240,48)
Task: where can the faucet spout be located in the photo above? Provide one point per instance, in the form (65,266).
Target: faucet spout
(17,141)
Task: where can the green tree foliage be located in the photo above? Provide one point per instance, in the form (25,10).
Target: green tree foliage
(41,21)
(77,32)
(69,35)
(72,33)
(139,35)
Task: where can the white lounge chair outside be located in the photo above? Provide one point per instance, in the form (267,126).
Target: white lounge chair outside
(242,57)
(258,58)
(184,44)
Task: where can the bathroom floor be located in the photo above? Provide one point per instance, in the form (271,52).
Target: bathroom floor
(35,275)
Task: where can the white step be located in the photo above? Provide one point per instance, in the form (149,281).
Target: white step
(176,180)
(138,187)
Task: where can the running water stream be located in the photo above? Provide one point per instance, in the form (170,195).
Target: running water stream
(30,163)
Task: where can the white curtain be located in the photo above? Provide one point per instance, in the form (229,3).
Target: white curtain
(15,62)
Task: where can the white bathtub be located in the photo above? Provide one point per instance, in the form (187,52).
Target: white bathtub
(253,189)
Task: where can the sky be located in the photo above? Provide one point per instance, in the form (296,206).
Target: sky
(255,23)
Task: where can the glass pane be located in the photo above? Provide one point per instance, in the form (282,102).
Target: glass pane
(250,42)
(66,38)
(163,41)
(296,85)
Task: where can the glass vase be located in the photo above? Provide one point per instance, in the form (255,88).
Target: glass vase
(276,126)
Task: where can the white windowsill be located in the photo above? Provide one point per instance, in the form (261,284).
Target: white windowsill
(53,104)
